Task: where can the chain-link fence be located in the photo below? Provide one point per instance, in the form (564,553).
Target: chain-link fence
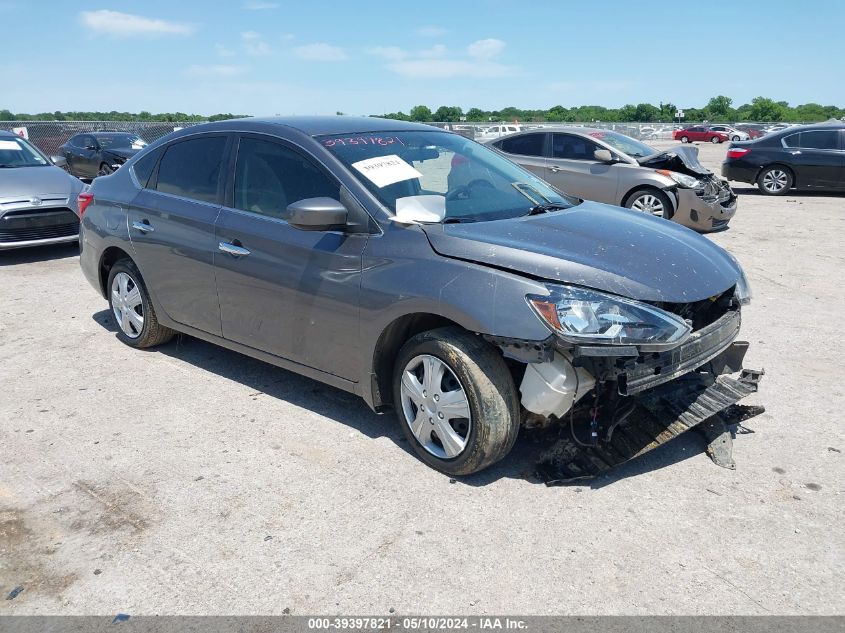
(50,135)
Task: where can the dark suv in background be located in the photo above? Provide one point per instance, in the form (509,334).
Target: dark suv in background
(801,157)
(357,252)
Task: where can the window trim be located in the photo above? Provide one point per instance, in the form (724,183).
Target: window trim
(152,183)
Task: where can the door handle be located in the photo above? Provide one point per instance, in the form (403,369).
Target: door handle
(796,152)
(555,168)
(144,227)
(233,249)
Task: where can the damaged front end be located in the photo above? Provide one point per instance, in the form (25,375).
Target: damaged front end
(620,378)
(704,201)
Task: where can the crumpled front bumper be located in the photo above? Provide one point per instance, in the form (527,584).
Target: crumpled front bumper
(707,209)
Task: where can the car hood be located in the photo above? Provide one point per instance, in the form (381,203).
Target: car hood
(681,159)
(596,246)
(122,152)
(37,181)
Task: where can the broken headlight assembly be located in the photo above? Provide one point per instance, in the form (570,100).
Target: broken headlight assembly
(683,180)
(742,292)
(587,317)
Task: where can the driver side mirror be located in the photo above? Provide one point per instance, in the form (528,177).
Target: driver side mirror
(317,214)
(604,156)
(59,161)
(93,148)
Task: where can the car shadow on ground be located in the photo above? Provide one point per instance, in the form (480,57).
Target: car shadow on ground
(38,254)
(751,190)
(268,380)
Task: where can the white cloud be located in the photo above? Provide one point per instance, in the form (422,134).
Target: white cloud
(256,5)
(392,53)
(486,49)
(215,70)
(431,31)
(321,52)
(224,51)
(438,50)
(115,23)
(449,68)
(254,43)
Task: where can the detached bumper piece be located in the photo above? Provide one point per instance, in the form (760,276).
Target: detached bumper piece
(657,417)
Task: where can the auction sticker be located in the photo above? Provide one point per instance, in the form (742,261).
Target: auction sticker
(386,170)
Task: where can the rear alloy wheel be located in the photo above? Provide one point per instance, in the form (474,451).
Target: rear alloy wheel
(456,400)
(132,309)
(715,140)
(685,139)
(105,170)
(774,181)
(650,201)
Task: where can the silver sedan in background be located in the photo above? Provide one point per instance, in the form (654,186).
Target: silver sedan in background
(607,166)
(38,200)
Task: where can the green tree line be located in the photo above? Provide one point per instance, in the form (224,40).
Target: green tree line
(6,115)
(718,109)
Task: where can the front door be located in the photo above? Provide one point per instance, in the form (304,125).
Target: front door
(282,290)
(171,225)
(817,158)
(573,168)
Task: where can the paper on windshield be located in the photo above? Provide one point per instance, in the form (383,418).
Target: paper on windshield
(13,145)
(420,209)
(386,170)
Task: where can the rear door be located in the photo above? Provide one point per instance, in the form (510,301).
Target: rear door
(573,168)
(285,291)
(817,158)
(528,150)
(171,225)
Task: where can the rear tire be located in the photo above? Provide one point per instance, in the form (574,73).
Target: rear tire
(775,180)
(130,304)
(462,373)
(734,138)
(651,201)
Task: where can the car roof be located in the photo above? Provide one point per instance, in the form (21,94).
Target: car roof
(317,125)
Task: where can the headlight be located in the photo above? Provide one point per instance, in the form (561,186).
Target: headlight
(589,317)
(682,179)
(743,289)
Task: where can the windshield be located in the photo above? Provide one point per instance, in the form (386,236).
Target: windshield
(121,141)
(440,177)
(624,144)
(16,152)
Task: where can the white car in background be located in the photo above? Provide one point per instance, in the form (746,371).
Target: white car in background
(498,130)
(732,132)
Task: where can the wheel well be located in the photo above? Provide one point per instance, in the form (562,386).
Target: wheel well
(387,348)
(781,165)
(110,257)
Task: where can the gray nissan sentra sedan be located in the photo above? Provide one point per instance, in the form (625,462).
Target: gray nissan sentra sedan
(356,251)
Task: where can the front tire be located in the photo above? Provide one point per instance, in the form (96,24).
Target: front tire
(130,304)
(775,181)
(456,400)
(685,139)
(651,201)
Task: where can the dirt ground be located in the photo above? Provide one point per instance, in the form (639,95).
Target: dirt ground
(193,480)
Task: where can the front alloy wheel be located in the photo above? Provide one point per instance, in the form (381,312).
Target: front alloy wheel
(435,406)
(650,201)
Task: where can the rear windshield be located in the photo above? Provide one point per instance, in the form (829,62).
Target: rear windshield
(16,152)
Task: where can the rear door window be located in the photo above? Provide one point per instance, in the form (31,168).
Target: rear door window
(192,168)
(143,168)
(525,145)
(571,147)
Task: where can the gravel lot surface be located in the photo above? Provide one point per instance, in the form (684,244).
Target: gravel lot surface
(190,479)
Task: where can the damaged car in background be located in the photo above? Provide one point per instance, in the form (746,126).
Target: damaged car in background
(93,154)
(431,276)
(607,166)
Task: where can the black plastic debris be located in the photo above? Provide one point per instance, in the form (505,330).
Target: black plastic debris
(657,417)
(14,593)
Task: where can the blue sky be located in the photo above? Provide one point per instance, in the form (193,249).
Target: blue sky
(374,56)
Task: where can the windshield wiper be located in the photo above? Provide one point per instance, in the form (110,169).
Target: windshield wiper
(457,220)
(546,207)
